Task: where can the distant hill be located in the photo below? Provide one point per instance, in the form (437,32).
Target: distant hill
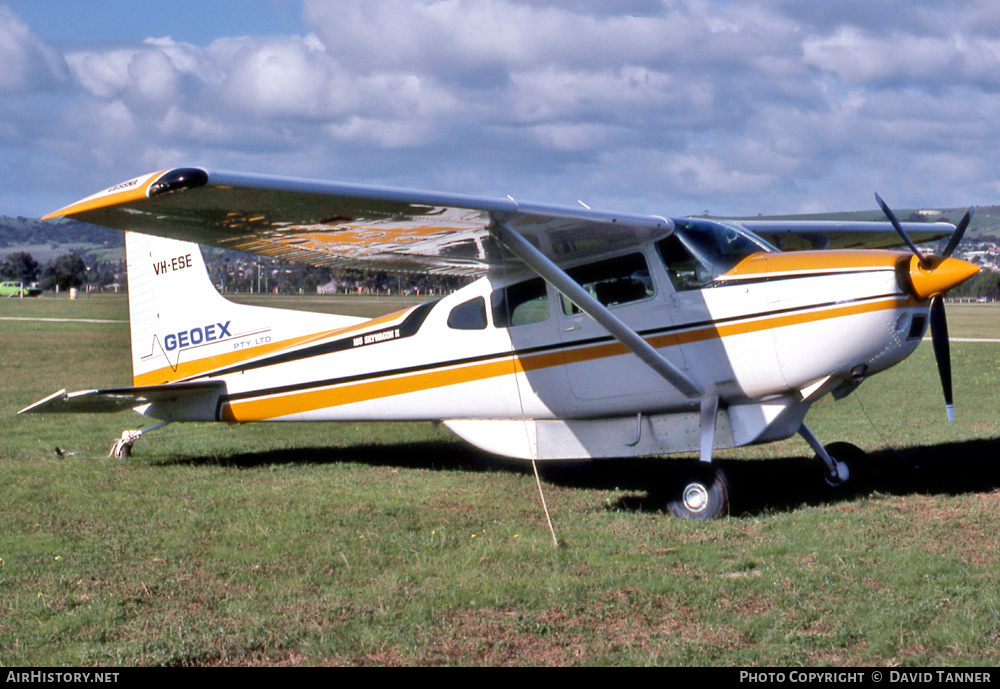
(46,240)
(33,231)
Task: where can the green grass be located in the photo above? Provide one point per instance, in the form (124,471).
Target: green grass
(378,544)
(974,320)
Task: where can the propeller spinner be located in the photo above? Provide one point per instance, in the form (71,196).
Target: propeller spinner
(929,278)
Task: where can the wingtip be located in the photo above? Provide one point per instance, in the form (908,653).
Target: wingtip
(120,193)
(44,402)
(61,213)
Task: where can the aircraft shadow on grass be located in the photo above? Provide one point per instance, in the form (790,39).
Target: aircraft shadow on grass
(756,486)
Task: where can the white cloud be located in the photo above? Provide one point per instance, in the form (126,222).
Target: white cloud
(26,62)
(858,57)
(280,78)
(103,73)
(643,105)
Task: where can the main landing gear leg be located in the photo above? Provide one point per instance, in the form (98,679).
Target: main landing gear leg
(122,448)
(837,471)
(704,493)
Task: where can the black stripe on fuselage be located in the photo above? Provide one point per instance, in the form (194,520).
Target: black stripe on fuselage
(408,328)
(540,349)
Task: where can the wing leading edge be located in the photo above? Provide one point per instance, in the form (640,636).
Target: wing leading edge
(796,235)
(336,224)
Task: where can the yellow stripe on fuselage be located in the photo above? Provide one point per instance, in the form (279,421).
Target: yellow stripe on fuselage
(808,262)
(285,404)
(206,365)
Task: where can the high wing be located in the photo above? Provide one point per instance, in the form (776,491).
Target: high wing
(347,225)
(796,234)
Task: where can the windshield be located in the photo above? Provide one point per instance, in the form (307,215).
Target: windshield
(699,251)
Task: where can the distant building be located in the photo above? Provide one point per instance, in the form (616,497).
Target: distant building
(332,287)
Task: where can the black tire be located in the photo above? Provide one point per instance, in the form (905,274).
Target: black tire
(857,464)
(702,494)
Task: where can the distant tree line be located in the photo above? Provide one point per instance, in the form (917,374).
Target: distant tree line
(985,283)
(64,272)
(233,271)
(70,268)
(230,271)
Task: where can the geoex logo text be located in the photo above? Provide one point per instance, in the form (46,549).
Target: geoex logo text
(196,336)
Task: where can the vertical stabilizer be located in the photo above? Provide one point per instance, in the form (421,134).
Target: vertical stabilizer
(182,328)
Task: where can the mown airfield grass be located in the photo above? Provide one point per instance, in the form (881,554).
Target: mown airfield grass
(382,544)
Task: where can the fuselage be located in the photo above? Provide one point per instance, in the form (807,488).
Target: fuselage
(751,325)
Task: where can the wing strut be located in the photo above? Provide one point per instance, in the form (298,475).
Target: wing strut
(548,270)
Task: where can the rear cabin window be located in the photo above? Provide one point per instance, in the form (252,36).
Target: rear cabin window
(469,315)
(523,303)
(612,282)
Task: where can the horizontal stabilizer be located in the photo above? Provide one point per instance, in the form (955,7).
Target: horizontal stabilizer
(120,399)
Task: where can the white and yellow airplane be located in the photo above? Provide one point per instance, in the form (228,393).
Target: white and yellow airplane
(588,334)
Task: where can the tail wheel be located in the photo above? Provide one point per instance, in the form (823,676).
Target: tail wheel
(703,494)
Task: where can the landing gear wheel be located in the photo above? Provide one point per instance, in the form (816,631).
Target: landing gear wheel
(703,494)
(122,448)
(851,466)
(840,478)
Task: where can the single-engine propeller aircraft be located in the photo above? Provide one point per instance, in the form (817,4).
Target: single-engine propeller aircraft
(588,334)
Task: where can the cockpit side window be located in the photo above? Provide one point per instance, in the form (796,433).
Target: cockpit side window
(684,271)
(699,251)
(612,282)
(469,315)
(522,303)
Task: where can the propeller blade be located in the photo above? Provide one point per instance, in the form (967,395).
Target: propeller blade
(956,236)
(942,351)
(899,229)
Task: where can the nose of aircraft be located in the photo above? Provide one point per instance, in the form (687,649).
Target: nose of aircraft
(937,274)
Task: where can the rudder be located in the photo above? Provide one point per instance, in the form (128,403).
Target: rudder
(181,327)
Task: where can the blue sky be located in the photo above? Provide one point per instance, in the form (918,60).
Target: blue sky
(670,107)
(74,22)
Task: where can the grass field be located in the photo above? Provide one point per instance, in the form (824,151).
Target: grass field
(372,544)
